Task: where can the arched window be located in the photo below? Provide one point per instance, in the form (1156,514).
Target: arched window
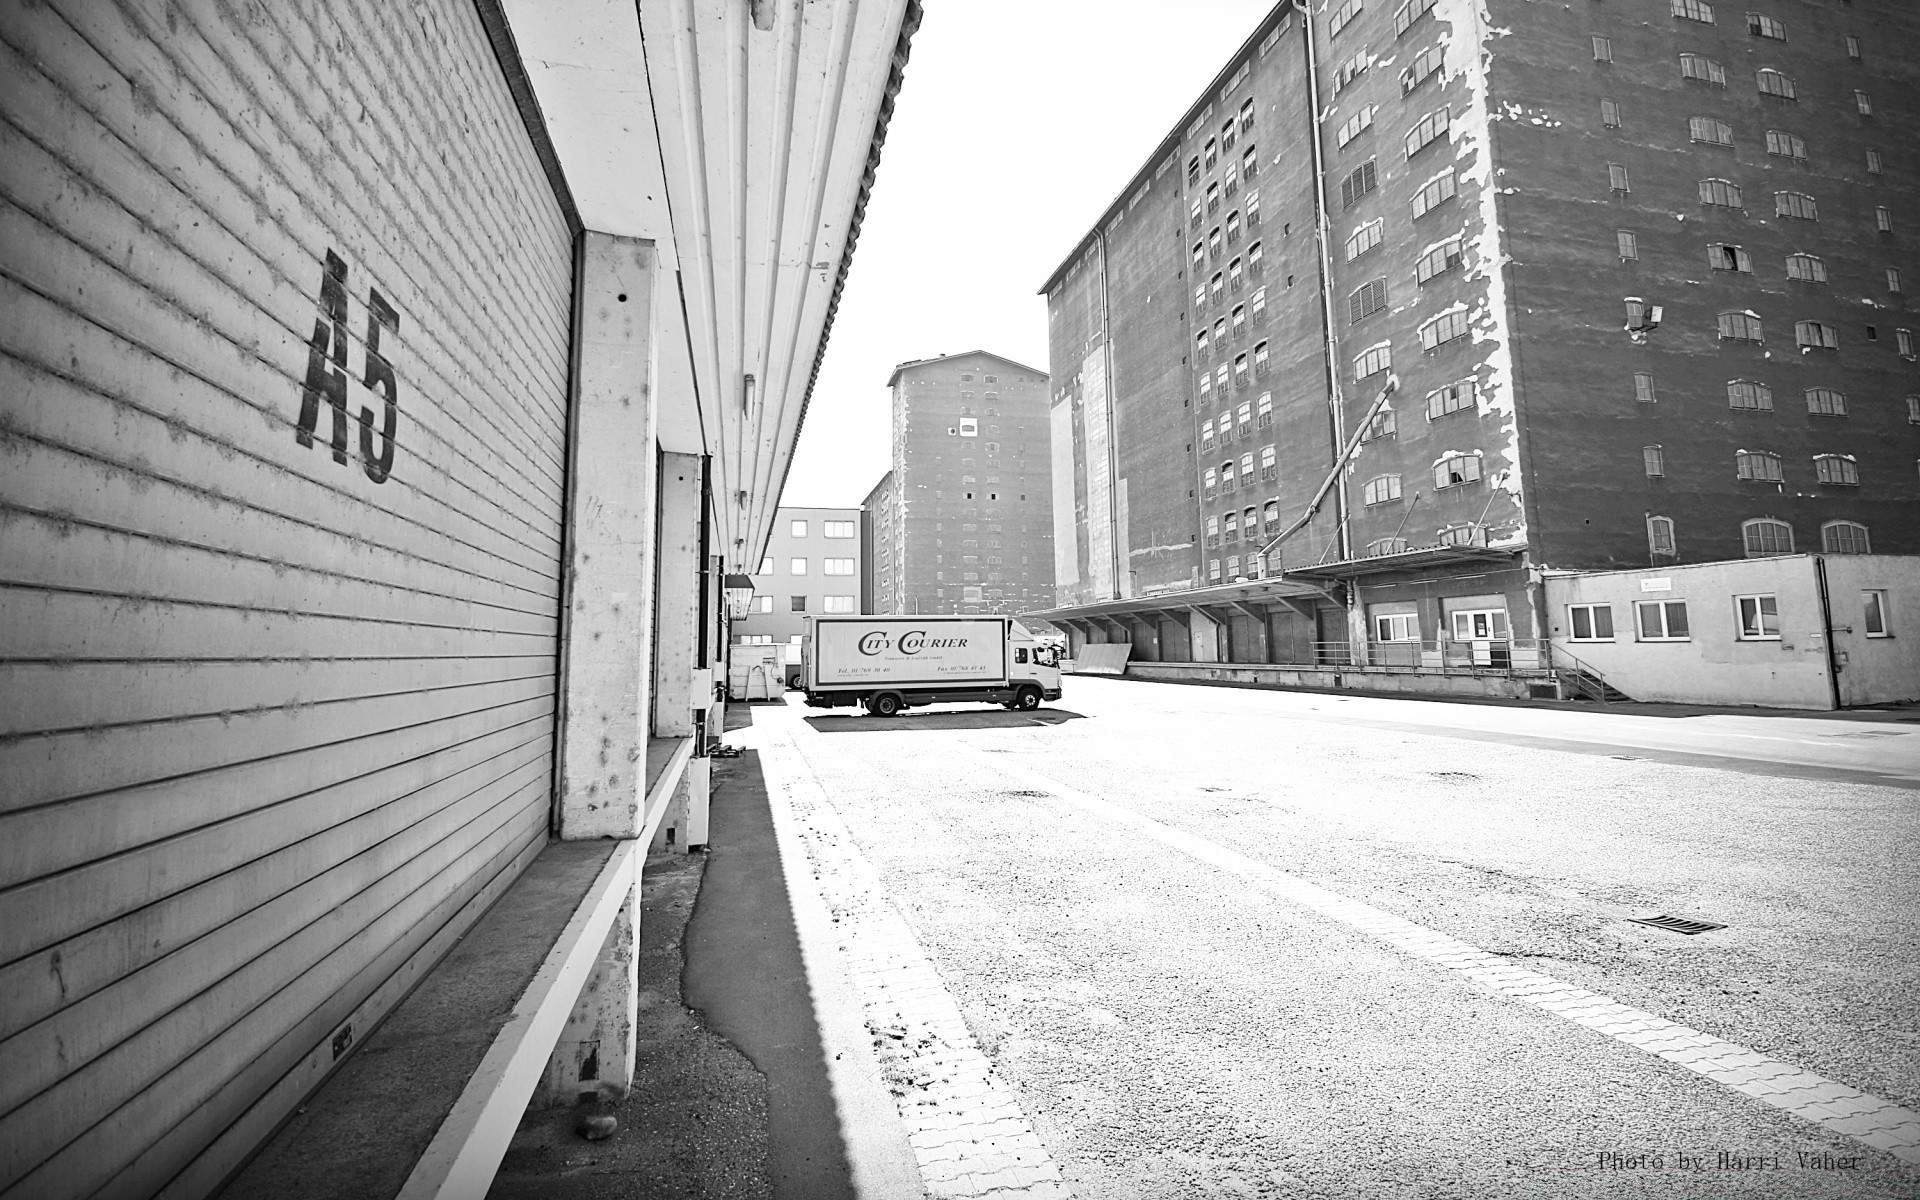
(1213,532)
(1392,545)
(1456,469)
(1462,535)
(1269,468)
(1765,537)
(1749,394)
(1844,537)
(1660,537)
(1763,465)
(1773,83)
(1381,488)
(1206,436)
(1740,326)
(1826,402)
(1840,470)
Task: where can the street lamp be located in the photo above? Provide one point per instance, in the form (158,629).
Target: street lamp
(739,592)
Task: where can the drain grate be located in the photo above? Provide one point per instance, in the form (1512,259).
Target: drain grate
(1677,924)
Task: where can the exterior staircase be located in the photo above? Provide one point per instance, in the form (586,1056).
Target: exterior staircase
(1579,681)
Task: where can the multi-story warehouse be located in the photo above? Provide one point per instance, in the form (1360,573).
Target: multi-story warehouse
(812,566)
(1419,301)
(876,548)
(963,523)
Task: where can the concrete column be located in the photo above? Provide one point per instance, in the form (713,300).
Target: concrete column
(1204,636)
(677,616)
(606,632)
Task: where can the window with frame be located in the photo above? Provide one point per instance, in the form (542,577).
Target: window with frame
(1345,13)
(1206,435)
(1260,361)
(1723,257)
(1459,396)
(1709,131)
(1782,144)
(1217,286)
(1699,66)
(1199,254)
(1428,130)
(1875,165)
(1759,618)
(1760,25)
(1228,481)
(1660,541)
(1795,204)
(836,604)
(1913,410)
(1655,460)
(1213,197)
(1381,489)
(1358,183)
(1765,537)
(1617,178)
(1723,193)
(836,566)
(1590,622)
(1233,227)
(1213,569)
(1210,482)
(1436,192)
(1367,299)
(1442,258)
(1388,545)
(797,529)
(1873,602)
(1236,275)
(1807,268)
(1836,470)
(1227,134)
(1883,218)
(1230,528)
(1740,327)
(1194,215)
(1239,319)
(1643,388)
(1239,370)
(1627,243)
(1749,394)
(763,604)
(1210,154)
(1257,307)
(1373,360)
(1609,113)
(1864,103)
(1443,329)
(1253,210)
(1893,279)
(797,603)
(1365,238)
(1201,342)
(1775,83)
(1693,10)
(1265,410)
(1844,537)
(1214,242)
(1269,465)
(1456,469)
(1256,260)
(1903,342)
(1662,620)
(1816,335)
(1408,13)
(1246,116)
(1220,382)
(838,529)
(1760,465)
(1246,469)
(1382,425)
(1471,534)
(766,567)
(796,566)
(1270,517)
(1206,388)
(1826,402)
(1426,65)
(1250,163)
(1200,296)
(1230,182)
(1245,413)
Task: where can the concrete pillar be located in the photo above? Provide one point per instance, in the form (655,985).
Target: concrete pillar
(677,616)
(606,642)
(1204,636)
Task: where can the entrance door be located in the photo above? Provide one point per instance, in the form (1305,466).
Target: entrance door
(1485,630)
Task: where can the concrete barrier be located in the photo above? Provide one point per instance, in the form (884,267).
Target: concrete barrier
(1359,679)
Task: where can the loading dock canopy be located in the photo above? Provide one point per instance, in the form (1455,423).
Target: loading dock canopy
(1406,560)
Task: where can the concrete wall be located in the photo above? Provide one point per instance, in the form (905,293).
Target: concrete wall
(1713,666)
(1356,679)
(783,623)
(1875,669)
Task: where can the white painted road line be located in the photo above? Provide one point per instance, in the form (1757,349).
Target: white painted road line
(1834,1106)
(970,1137)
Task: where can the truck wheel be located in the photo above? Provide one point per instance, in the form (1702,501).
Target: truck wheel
(1027,699)
(887,704)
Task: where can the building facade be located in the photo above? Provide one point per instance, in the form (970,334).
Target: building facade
(1403,312)
(813,565)
(963,523)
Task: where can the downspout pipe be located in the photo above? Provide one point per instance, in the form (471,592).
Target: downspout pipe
(1114,588)
(1826,626)
(1322,235)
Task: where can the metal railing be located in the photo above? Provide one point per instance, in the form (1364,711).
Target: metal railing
(1529,656)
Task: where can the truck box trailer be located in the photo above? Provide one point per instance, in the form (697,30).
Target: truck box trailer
(891,663)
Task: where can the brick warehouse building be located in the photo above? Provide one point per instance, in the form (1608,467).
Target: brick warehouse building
(1637,273)
(963,522)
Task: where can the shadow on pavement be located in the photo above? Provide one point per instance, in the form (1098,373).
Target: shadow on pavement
(914,722)
(731,1098)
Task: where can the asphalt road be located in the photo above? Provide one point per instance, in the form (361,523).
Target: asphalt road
(1094,885)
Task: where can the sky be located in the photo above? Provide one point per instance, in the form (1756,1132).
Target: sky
(1017,123)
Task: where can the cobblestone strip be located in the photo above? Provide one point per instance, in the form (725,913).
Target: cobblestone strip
(1871,1120)
(969,1134)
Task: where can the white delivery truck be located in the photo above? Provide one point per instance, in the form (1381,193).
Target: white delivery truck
(891,663)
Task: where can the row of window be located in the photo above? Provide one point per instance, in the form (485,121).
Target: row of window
(832,529)
(1251,416)
(1452,470)
(1764,466)
(1254,523)
(1751,395)
(1210,153)
(1758,24)
(1259,361)
(1725,256)
(1434,332)
(1744,325)
(1222,480)
(1756,619)
(798,566)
